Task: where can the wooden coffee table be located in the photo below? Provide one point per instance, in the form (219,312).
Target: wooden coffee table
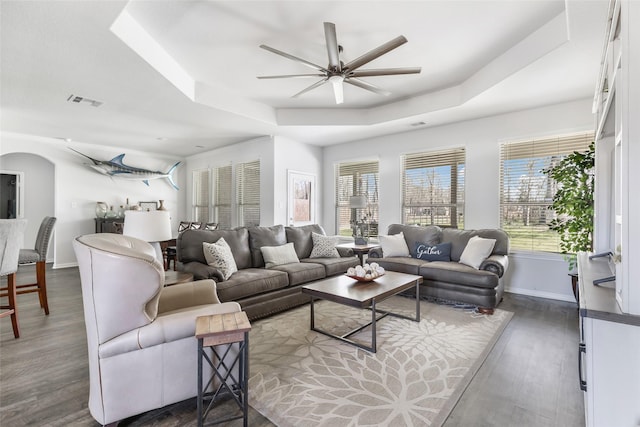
(347,291)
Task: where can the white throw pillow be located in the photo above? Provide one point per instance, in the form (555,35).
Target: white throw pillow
(324,246)
(278,255)
(219,255)
(477,250)
(394,245)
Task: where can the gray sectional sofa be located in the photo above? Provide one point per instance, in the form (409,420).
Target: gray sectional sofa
(261,291)
(452,280)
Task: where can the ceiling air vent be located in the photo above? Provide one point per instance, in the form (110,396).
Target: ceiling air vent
(79,99)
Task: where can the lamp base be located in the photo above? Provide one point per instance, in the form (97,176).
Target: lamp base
(360,240)
(159,256)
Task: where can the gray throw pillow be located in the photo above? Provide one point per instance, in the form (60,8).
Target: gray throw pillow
(219,255)
(324,246)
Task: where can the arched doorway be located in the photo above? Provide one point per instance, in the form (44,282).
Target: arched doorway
(38,190)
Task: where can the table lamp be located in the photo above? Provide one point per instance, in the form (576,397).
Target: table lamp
(150,226)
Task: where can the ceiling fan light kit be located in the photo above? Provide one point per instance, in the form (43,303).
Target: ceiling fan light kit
(338,73)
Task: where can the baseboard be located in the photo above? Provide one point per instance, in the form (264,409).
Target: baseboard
(66,265)
(540,294)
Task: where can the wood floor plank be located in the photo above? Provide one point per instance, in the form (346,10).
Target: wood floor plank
(529,379)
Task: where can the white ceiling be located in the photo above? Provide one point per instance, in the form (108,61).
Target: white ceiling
(179,77)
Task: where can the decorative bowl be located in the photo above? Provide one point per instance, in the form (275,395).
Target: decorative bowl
(362,279)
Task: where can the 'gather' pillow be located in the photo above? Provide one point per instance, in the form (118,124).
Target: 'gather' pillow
(219,255)
(476,251)
(394,245)
(324,246)
(278,255)
(439,252)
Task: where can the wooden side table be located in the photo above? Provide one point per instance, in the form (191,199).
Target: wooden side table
(216,330)
(360,250)
(174,277)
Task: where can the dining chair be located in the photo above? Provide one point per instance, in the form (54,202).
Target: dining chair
(11,232)
(38,255)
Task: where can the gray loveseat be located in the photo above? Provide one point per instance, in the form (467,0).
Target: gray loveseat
(261,291)
(451,280)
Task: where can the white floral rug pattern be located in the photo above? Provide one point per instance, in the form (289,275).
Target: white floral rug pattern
(298,377)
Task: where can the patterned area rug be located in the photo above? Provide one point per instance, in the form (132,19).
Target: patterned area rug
(303,378)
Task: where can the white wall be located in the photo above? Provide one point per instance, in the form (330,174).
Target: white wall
(294,156)
(532,274)
(78,188)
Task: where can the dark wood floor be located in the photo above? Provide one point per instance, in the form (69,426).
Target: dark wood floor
(529,379)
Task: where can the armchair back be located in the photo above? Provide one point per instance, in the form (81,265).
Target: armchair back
(122,273)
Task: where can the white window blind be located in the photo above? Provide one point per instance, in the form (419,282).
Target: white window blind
(526,192)
(222,196)
(433,188)
(200,206)
(357,179)
(248,193)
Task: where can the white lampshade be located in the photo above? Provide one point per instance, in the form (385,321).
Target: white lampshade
(150,226)
(357,202)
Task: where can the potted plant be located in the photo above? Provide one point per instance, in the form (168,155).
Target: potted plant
(573,202)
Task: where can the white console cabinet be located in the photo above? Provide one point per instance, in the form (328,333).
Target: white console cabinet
(609,350)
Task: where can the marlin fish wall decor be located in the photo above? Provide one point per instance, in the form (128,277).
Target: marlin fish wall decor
(116,168)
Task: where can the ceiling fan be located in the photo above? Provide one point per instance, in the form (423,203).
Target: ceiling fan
(338,73)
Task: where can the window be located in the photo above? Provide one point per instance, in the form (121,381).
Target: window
(433,188)
(200,207)
(357,179)
(526,192)
(222,196)
(248,193)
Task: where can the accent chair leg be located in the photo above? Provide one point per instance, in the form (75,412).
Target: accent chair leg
(11,288)
(41,277)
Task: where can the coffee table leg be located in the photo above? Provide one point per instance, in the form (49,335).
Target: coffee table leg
(417,300)
(312,315)
(373,326)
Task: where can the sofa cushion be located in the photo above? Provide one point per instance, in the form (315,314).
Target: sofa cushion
(278,255)
(460,274)
(439,252)
(431,235)
(189,245)
(401,264)
(302,272)
(219,255)
(394,245)
(264,236)
(334,266)
(476,251)
(324,246)
(301,238)
(249,282)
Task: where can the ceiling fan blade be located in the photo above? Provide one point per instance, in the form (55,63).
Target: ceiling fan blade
(332,46)
(290,75)
(366,86)
(385,72)
(375,53)
(294,58)
(313,86)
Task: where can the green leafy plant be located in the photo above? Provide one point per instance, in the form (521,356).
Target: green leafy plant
(573,202)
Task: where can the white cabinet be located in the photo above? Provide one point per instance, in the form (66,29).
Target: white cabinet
(609,351)
(617,108)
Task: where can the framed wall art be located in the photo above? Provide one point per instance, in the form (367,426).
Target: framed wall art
(148,206)
(302,198)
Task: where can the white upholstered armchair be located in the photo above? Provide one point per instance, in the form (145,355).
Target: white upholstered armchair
(140,335)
